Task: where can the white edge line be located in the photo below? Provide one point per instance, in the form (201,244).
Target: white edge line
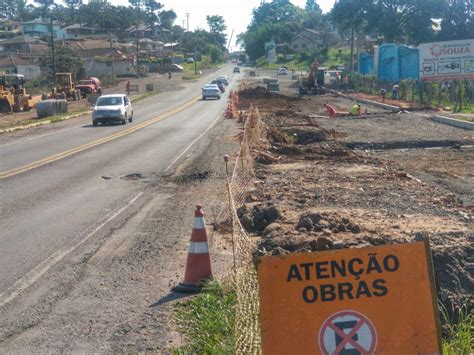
(26,281)
(42,136)
(192,143)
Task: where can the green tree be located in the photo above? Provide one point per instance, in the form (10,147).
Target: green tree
(167,18)
(66,60)
(278,20)
(217,27)
(458,20)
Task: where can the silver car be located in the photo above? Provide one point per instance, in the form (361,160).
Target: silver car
(211,90)
(112,108)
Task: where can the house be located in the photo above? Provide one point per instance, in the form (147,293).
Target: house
(151,47)
(23,44)
(20,64)
(306,40)
(153,31)
(42,28)
(124,65)
(97,57)
(9,28)
(77,30)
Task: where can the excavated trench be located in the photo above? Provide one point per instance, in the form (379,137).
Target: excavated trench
(456,144)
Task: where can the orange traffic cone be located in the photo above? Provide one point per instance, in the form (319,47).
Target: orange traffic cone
(198,265)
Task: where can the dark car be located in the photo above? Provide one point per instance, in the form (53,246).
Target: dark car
(236,70)
(220,84)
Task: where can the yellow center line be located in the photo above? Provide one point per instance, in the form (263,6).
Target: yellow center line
(68,153)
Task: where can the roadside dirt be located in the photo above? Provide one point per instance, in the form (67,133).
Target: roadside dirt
(161,84)
(354,182)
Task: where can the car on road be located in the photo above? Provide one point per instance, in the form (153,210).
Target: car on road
(176,67)
(112,108)
(236,70)
(211,90)
(282,71)
(224,79)
(220,84)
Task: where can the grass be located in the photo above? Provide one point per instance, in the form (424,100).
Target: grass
(207,321)
(458,337)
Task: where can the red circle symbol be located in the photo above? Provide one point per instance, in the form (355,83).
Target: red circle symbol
(347,332)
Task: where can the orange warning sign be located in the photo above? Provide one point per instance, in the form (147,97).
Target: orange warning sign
(350,301)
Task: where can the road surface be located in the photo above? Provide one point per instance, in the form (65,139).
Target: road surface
(61,188)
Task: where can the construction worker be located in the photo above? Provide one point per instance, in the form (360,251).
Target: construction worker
(331,111)
(395,89)
(383,93)
(355,110)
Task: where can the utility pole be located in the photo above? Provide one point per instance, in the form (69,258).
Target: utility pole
(187,21)
(112,58)
(352,49)
(138,52)
(53,55)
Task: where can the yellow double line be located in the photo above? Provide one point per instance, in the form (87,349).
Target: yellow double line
(68,153)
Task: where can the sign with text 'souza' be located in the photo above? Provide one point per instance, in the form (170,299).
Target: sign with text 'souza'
(350,301)
(450,60)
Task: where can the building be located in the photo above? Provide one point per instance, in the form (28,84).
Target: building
(306,40)
(23,44)
(9,28)
(20,64)
(42,28)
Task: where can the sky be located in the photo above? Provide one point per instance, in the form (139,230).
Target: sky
(237,14)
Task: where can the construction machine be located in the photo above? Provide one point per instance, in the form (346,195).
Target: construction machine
(13,95)
(312,85)
(65,88)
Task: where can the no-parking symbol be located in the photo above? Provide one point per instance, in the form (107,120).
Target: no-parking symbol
(347,333)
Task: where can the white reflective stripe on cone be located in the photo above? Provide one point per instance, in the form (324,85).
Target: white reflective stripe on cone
(199,223)
(198,248)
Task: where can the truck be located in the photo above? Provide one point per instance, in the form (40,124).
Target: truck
(89,86)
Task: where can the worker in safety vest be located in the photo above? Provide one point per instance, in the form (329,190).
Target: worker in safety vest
(355,110)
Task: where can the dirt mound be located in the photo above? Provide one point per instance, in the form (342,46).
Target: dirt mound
(259,92)
(256,218)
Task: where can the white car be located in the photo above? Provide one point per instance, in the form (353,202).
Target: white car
(224,79)
(211,90)
(112,108)
(282,71)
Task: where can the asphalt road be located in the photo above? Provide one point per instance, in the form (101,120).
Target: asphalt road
(59,188)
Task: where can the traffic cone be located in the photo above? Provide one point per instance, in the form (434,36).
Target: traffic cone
(198,264)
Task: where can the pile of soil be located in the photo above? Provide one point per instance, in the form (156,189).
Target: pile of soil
(329,194)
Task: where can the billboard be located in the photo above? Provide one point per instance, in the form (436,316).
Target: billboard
(451,60)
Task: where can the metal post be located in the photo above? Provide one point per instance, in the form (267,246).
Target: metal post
(226,160)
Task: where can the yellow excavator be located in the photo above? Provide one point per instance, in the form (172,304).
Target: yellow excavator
(13,96)
(311,85)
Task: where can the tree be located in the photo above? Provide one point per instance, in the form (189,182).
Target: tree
(13,9)
(278,20)
(312,6)
(67,61)
(217,27)
(167,18)
(458,20)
